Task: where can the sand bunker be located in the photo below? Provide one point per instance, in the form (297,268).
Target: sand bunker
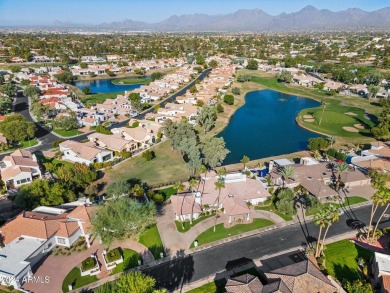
(350,129)
(359,126)
(307,116)
(351,114)
(309,120)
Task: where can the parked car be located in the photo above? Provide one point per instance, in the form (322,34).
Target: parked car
(356,224)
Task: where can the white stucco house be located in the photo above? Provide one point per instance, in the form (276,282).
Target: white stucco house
(83,153)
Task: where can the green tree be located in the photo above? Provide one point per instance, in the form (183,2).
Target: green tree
(17,128)
(332,215)
(287,172)
(137,190)
(245,160)
(5,104)
(206,118)
(285,76)
(148,155)
(193,90)
(318,144)
(285,202)
(118,189)
(228,99)
(31,91)
(372,91)
(219,185)
(213,63)
(8,89)
(243,78)
(65,123)
(252,64)
(135,100)
(236,91)
(358,286)
(86,90)
(320,219)
(65,76)
(200,60)
(214,152)
(156,75)
(122,219)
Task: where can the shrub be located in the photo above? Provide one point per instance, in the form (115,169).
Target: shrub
(113,255)
(125,155)
(148,155)
(86,90)
(220,108)
(158,198)
(56,143)
(102,129)
(88,264)
(236,91)
(135,124)
(228,99)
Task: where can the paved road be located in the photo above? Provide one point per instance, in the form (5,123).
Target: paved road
(173,274)
(47,138)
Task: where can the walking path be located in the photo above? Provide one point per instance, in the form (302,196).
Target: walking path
(175,241)
(57,267)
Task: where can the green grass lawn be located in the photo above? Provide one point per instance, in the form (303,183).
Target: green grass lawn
(152,240)
(213,287)
(74,277)
(167,166)
(188,226)
(272,208)
(67,133)
(60,163)
(134,80)
(130,260)
(341,260)
(22,145)
(100,98)
(351,201)
(221,232)
(167,192)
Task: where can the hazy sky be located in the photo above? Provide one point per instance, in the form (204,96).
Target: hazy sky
(98,11)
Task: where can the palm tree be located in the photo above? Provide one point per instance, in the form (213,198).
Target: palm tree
(192,184)
(380,198)
(332,215)
(287,172)
(137,190)
(202,169)
(319,220)
(219,184)
(245,160)
(179,186)
(323,110)
(340,169)
(222,172)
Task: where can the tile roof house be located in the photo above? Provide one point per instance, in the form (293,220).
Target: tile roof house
(19,168)
(300,277)
(243,284)
(377,157)
(239,190)
(139,134)
(82,153)
(31,235)
(113,142)
(316,179)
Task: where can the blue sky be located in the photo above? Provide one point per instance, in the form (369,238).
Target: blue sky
(98,11)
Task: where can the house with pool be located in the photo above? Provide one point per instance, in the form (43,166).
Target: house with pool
(234,200)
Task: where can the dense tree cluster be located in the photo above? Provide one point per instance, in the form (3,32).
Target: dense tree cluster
(65,123)
(382,130)
(183,137)
(17,128)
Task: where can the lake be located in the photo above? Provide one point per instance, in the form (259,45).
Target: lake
(104,86)
(265,126)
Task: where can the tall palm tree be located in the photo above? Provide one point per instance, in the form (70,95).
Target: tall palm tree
(192,184)
(380,198)
(179,186)
(340,169)
(332,215)
(219,184)
(323,110)
(319,220)
(287,172)
(202,169)
(221,172)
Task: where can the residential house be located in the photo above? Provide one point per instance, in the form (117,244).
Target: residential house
(381,269)
(19,168)
(140,134)
(30,236)
(239,192)
(83,153)
(113,142)
(316,178)
(377,157)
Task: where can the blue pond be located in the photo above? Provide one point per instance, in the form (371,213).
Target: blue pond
(265,126)
(104,86)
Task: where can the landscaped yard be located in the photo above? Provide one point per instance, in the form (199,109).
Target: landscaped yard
(67,133)
(271,208)
(341,260)
(22,145)
(130,260)
(221,232)
(166,192)
(151,239)
(351,201)
(75,279)
(54,161)
(188,226)
(167,166)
